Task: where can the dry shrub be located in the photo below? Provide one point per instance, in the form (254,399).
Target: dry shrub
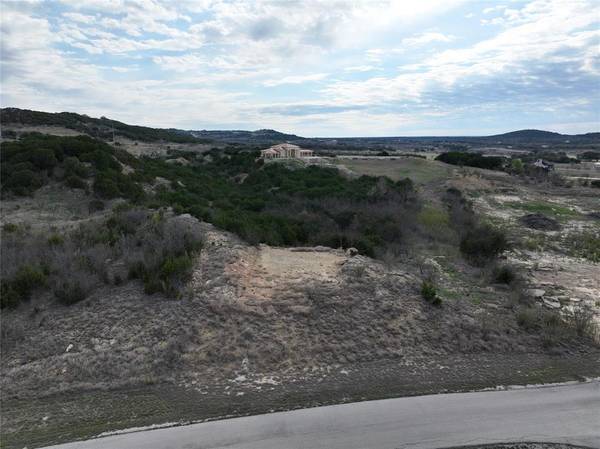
(154,248)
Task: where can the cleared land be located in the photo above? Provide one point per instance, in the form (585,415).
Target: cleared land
(418,169)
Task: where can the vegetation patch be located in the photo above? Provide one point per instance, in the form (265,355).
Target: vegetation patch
(35,159)
(583,244)
(147,245)
(472,160)
(545,208)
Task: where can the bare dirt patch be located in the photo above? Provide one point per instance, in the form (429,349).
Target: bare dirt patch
(266,272)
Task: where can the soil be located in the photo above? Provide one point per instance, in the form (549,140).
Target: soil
(540,222)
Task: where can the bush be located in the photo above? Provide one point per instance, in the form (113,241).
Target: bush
(74,167)
(472,160)
(527,317)
(75,182)
(23,182)
(55,240)
(429,293)
(483,243)
(582,321)
(19,288)
(505,274)
(106,188)
(584,244)
(10,227)
(70,292)
(95,206)
(43,158)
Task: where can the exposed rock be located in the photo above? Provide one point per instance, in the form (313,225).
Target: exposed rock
(351,252)
(540,222)
(239,179)
(551,303)
(431,269)
(537,292)
(179,160)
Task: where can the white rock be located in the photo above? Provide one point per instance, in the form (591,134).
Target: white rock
(551,303)
(537,292)
(69,348)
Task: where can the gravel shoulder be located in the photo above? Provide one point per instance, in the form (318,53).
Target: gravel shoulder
(69,417)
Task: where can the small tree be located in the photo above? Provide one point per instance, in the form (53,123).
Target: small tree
(517,166)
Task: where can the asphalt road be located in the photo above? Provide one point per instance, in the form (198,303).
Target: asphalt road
(565,414)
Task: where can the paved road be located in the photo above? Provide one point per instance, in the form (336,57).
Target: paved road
(566,414)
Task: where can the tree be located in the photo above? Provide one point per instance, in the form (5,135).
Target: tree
(517,166)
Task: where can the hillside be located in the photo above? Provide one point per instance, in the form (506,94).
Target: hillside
(261,136)
(102,128)
(138,291)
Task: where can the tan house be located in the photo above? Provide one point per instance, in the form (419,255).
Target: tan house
(285,151)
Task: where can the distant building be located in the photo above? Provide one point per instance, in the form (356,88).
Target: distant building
(540,163)
(285,151)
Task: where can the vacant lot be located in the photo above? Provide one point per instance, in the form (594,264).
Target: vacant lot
(418,169)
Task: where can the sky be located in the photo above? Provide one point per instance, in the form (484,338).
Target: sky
(314,68)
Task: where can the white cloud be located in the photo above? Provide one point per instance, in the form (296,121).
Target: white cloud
(360,68)
(542,33)
(295,79)
(77,17)
(426,38)
(204,62)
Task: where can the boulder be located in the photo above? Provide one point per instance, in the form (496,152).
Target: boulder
(551,303)
(351,252)
(536,293)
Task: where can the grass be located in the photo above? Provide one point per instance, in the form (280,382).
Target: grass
(584,244)
(421,171)
(543,207)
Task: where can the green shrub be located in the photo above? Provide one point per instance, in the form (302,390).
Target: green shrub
(43,158)
(24,282)
(106,188)
(584,244)
(505,274)
(429,293)
(10,227)
(23,182)
(74,167)
(75,182)
(55,240)
(483,243)
(528,318)
(70,292)
(95,206)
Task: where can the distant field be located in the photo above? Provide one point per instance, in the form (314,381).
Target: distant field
(419,170)
(583,170)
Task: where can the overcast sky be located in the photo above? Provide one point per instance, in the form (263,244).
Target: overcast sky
(314,68)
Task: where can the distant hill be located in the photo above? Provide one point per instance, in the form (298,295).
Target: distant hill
(260,136)
(101,128)
(539,136)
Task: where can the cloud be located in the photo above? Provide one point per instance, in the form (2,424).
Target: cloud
(295,79)
(426,38)
(360,68)
(539,38)
(349,67)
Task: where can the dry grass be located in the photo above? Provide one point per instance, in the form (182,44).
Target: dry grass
(418,169)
